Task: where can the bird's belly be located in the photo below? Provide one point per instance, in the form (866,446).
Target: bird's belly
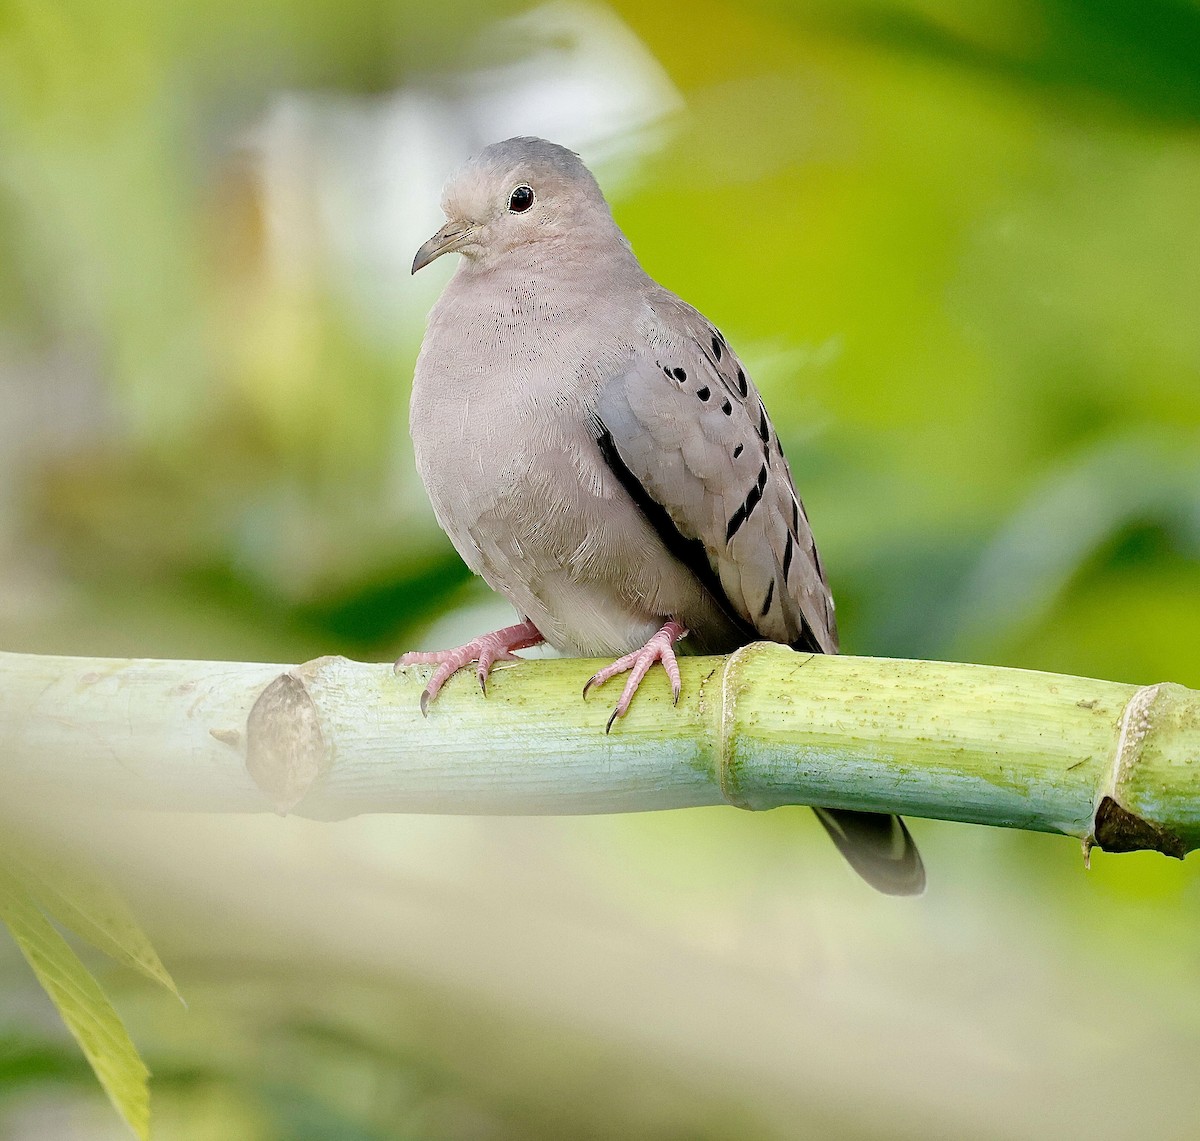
(538,514)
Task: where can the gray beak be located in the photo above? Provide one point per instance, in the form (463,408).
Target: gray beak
(452,236)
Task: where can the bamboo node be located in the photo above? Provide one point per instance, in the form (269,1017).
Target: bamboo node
(1135,725)
(1114,827)
(285,748)
(727,778)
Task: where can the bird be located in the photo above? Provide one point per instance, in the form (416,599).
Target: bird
(596,451)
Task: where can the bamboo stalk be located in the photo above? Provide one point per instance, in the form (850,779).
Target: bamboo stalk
(1110,763)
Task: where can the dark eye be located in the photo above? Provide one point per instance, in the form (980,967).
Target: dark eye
(520,199)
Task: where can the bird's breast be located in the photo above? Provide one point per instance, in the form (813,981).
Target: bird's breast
(501,413)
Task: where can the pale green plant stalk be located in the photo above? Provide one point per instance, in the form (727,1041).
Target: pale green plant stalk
(1109,763)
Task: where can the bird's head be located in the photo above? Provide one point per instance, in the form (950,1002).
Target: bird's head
(512,195)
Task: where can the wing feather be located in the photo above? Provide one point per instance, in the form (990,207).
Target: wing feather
(688,435)
(687,424)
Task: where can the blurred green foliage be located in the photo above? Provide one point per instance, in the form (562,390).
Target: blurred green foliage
(958,244)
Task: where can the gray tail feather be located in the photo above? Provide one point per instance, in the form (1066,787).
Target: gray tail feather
(878,847)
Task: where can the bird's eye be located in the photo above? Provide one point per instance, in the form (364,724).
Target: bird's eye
(520,199)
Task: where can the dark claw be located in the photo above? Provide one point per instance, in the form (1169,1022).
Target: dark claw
(612,717)
(588,685)
(482,675)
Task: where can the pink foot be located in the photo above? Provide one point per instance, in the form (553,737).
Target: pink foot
(487,649)
(658,649)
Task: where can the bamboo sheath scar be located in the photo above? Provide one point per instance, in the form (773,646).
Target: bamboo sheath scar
(1115,765)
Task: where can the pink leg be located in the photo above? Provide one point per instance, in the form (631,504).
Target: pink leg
(487,649)
(638,663)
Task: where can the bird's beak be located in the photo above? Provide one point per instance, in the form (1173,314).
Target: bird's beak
(452,236)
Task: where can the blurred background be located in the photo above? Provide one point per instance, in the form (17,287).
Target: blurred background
(958,245)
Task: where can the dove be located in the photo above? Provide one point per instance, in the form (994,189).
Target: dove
(596,451)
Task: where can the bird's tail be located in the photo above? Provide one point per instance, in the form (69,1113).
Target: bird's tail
(878,847)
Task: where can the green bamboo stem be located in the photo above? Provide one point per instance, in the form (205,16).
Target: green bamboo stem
(1112,764)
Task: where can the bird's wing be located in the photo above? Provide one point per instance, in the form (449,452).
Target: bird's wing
(685,430)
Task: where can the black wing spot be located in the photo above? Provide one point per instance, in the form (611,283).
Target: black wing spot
(679,374)
(703,393)
(764,425)
(742,387)
(795,516)
(753,496)
(737,451)
(735,521)
(787,556)
(666,369)
(768,600)
(716,346)
(727,408)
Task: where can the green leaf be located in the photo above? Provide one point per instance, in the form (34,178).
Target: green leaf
(92,909)
(81,1003)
